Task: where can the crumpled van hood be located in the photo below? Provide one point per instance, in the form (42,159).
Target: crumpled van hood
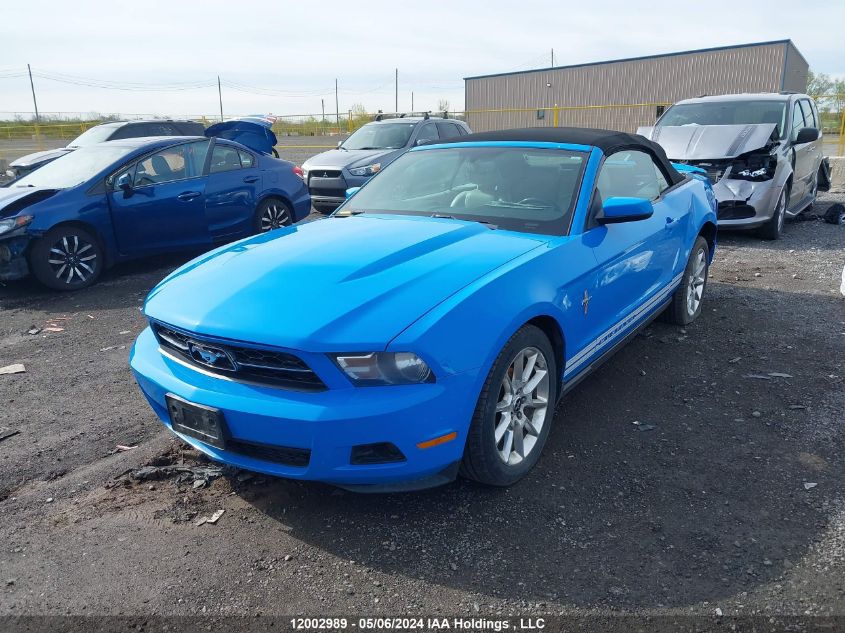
(701,142)
(338,284)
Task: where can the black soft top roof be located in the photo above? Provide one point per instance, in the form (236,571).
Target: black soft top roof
(608,141)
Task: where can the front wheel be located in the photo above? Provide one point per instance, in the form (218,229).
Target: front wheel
(773,229)
(272,214)
(67,258)
(688,298)
(514,411)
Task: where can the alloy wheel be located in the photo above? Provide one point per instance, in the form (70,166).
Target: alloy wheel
(275,216)
(781,210)
(521,407)
(695,286)
(73,258)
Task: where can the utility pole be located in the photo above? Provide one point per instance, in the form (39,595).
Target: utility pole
(412,101)
(35,103)
(397,92)
(336,105)
(553,58)
(220,97)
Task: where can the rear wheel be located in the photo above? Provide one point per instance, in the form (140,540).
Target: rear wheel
(688,298)
(835,214)
(514,411)
(272,214)
(67,258)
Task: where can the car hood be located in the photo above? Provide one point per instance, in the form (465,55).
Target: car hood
(700,142)
(40,157)
(253,132)
(340,158)
(341,284)
(14,199)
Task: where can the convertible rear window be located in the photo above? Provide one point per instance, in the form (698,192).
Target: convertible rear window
(525,189)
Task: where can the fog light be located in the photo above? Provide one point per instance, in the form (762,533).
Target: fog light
(379,453)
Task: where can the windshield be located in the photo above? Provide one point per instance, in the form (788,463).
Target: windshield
(380,136)
(518,188)
(96,134)
(75,168)
(726,113)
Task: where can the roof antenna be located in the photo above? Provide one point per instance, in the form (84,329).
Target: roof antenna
(379,115)
(425,115)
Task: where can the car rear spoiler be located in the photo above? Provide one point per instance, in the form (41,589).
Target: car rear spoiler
(256,133)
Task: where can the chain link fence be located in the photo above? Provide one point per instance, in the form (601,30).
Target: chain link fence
(55,127)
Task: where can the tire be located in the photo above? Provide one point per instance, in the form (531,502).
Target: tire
(505,460)
(67,258)
(271,214)
(689,297)
(815,195)
(835,214)
(773,229)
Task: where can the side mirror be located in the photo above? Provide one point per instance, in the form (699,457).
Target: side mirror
(351,192)
(339,143)
(807,135)
(124,182)
(421,141)
(616,210)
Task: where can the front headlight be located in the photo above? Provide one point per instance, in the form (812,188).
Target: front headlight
(367,170)
(754,166)
(384,368)
(12,224)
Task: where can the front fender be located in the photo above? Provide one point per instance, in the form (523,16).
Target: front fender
(466,332)
(75,207)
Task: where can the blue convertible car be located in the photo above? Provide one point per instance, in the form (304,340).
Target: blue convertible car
(136,197)
(431,324)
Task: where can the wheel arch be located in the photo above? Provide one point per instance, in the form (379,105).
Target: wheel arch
(274,195)
(551,328)
(708,232)
(85,226)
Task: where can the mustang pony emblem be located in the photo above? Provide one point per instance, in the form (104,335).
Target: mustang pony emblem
(210,356)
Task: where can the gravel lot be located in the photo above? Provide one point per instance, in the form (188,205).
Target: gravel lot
(698,469)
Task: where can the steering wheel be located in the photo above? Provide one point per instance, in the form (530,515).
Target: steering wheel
(538,202)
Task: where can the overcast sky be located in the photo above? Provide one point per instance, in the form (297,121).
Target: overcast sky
(285,56)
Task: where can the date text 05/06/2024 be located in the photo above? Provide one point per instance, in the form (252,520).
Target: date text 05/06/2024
(418,624)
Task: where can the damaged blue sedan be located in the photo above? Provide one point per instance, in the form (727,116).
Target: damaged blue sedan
(108,202)
(431,324)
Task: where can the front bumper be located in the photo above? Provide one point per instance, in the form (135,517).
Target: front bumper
(328,187)
(745,204)
(13,263)
(327,423)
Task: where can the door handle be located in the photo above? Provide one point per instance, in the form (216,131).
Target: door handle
(188,195)
(251,179)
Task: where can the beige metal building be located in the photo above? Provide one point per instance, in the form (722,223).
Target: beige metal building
(627,93)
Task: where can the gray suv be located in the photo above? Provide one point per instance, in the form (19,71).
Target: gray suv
(368,150)
(762,152)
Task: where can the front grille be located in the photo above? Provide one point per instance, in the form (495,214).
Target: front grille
(286,455)
(323,173)
(715,169)
(734,210)
(239,362)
